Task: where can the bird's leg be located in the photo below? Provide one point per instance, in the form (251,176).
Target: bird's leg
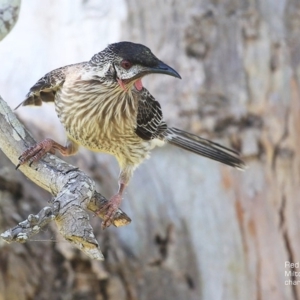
(114,202)
(36,152)
(112,206)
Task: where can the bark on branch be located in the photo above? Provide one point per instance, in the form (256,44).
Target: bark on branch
(9,12)
(73,192)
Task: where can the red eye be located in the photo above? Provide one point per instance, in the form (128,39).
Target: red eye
(126,64)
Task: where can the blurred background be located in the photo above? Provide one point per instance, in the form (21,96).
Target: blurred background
(200,230)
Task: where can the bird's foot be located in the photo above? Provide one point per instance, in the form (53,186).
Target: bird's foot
(111,208)
(36,152)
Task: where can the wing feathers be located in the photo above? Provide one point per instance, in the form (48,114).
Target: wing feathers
(44,90)
(149,117)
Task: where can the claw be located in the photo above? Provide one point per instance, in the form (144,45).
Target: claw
(105,224)
(36,152)
(18,165)
(111,208)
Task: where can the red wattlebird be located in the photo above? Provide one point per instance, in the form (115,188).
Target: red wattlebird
(104,107)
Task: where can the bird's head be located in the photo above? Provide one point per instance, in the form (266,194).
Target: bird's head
(129,62)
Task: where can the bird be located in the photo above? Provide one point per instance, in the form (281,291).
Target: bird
(104,107)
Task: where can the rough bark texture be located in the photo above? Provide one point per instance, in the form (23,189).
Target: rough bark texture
(200,230)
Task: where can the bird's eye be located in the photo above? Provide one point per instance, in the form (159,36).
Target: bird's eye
(126,64)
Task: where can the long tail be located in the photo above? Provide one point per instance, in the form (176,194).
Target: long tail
(201,146)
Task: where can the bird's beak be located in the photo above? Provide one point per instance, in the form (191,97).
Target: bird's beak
(162,68)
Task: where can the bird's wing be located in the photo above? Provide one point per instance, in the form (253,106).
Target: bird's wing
(149,117)
(45,89)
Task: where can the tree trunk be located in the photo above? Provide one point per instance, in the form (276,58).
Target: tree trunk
(200,230)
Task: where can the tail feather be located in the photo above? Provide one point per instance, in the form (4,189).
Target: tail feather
(206,148)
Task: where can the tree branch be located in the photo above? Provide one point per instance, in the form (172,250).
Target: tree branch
(73,192)
(9,12)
